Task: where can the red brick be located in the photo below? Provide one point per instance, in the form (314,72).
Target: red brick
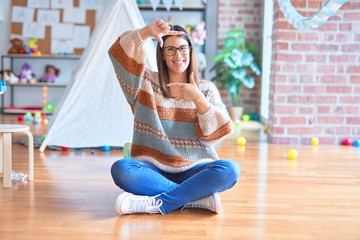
(352,16)
(353,120)
(314,89)
(331,120)
(292,120)
(325,99)
(280,46)
(285,109)
(354,69)
(288,68)
(286,88)
(338,89)
(355,79)
(350,48)
(325,69)
(345,27)
(349,99)
(303,46)
(288,57)
(278,130)
(323,109)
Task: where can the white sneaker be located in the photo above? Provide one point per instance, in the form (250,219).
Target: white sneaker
(211,203)
(128,203)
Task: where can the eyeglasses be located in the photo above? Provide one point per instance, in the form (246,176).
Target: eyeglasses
(171,51)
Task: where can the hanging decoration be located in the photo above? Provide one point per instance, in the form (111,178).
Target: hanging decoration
(154,4)
(308,23)
(167,4)
(180,4)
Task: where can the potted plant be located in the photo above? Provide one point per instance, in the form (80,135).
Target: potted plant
(236,66)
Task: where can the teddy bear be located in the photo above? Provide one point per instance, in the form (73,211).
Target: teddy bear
(51,72)
(17,46)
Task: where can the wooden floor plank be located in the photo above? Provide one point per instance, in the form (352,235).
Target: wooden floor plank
(316,196)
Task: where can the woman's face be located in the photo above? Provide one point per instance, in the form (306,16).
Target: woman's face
(177,63)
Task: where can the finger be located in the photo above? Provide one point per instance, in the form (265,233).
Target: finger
(175,84)
(160,41)
(175,33)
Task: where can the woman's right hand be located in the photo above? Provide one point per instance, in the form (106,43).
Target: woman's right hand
(157,30)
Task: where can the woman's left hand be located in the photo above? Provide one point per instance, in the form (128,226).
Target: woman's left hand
(185,91)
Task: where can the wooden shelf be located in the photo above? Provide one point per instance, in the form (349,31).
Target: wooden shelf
(41,56)
(38,84)
(172,8)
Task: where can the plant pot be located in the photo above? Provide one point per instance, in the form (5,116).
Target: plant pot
(235,112)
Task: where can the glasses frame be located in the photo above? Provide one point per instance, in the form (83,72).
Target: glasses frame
(163,49)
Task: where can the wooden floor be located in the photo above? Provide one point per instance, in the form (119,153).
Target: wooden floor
(315,197)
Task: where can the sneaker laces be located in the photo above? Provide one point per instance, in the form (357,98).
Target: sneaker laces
(146,204)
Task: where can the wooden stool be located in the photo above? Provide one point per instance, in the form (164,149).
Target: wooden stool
(6,151)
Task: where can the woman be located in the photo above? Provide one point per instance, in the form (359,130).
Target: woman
(177,121)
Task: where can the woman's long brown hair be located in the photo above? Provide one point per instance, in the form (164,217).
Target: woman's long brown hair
(163,68)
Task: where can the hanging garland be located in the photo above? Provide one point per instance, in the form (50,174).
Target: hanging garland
(308,23)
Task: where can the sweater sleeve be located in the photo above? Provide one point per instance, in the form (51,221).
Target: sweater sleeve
(128,58)
(215,124)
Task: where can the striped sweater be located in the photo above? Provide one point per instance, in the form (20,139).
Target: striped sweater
(168,133)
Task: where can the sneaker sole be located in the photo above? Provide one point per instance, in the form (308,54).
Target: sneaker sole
(217,200)
(119,201)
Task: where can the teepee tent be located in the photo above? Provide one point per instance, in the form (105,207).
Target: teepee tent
(93,111)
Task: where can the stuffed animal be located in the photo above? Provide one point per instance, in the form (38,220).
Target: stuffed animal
(9,76)
(26,75)
(17,46)
(51,72)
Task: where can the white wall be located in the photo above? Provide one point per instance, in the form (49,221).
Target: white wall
(4,26)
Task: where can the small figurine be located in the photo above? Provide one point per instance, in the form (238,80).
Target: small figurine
(51,72)
(26,75)
(3,87)
(33,47)
(9,76)
(17,46)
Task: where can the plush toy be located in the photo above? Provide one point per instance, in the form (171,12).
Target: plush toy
(9,76)
(51,72)
(17,46)
(26,75)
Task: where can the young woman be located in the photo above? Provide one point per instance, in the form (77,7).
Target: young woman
(177,121)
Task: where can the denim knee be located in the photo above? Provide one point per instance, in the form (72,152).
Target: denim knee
(230,171)
(119,170)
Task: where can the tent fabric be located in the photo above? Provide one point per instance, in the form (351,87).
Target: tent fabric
(93,111)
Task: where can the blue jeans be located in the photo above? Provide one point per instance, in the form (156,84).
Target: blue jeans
(174,189)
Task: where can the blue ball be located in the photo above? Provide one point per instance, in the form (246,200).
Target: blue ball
(105,148)
(356,143)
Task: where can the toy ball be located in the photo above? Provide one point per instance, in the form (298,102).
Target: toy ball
(64,149)
(292,154)
(356,143)
(241,141)
(20,118)
(255,117)
(266,128)
(347,142)
(245,117)
(46,121)
(314,141)
(105,148)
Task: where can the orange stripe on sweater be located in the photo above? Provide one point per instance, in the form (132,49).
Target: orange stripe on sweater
(169,160)
(128,63)
(222,131)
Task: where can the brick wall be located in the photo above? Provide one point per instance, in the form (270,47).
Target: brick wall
(247,15)
(315,78)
